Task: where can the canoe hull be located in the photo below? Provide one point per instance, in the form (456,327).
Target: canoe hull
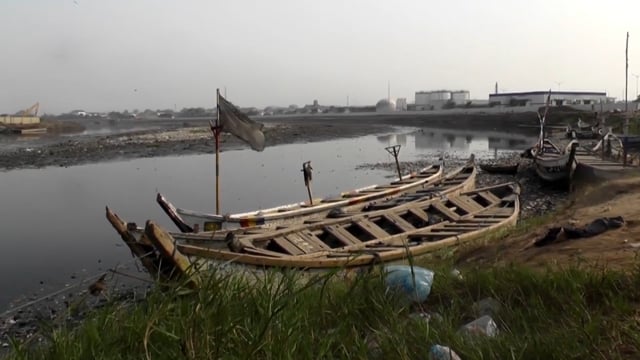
(293,212)
(462,218)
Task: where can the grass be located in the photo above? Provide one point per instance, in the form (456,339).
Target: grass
(554,314)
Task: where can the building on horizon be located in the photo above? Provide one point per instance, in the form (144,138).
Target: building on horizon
(440,99)
(557,98)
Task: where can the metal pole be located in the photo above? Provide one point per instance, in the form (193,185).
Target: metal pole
(626,85)
(216,134)
(395,150)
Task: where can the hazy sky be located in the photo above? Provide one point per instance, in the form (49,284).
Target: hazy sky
(101,55)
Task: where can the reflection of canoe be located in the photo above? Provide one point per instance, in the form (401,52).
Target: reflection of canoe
(500,169)
(389,235)
(283,213)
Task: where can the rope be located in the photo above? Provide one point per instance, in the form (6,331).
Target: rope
(66,288)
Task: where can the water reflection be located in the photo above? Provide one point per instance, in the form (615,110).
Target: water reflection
(451,139)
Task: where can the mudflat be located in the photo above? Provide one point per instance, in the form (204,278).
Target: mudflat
(105,140)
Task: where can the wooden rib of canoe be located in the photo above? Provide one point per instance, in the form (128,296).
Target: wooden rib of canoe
(459,180)
(382,236)
(188,219)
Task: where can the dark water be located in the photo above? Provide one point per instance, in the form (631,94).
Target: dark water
(53,227)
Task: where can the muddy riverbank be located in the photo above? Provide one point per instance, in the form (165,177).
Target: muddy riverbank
(127,139)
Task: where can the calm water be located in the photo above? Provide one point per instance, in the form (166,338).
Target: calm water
(53,224)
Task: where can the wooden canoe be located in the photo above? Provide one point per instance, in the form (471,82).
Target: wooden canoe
(554,165)
(383,236)
(459,180)
(189,219)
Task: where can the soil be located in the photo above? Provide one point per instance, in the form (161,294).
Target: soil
(613,249)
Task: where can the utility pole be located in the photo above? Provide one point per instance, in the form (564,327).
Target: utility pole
(626,85)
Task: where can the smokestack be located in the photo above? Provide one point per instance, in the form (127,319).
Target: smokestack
(496,87)
(388,90)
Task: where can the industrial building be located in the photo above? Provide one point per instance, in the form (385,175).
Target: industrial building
(558,98)
(438,99)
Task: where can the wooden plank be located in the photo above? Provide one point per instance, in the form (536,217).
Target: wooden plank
(490,197)
(312,239)
(342,234)
(464,205)
(445,211)
(262,252)
(420,214)
(300,243)
(285,244)
(164,243)
(402,223)
(371,228)
(496,211)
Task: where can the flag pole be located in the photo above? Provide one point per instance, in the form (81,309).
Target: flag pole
(216,134)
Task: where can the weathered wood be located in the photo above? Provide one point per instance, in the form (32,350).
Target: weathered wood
(400,222)
(445,211)
(163,242)
(342,234)
(141,251)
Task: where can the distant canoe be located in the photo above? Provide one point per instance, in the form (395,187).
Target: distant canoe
(500,169)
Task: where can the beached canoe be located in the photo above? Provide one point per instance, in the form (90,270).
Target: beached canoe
(554,165)
(195,221)
(382,236)
(462,179)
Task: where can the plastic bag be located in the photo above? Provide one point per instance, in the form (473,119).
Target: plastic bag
(481,326)
(439,352)
(416,284)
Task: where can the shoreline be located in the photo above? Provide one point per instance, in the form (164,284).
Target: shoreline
(129,139)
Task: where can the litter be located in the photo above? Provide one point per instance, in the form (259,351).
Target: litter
(414,282)
(596,227)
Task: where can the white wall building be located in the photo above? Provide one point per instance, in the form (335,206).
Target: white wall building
(434,100)
(558,98)
(401,104)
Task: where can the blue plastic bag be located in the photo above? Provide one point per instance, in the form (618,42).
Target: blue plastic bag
(416,287)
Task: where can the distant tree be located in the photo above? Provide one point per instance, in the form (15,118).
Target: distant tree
(193,112)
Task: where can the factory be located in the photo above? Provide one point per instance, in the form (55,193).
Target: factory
(440,99)
(558,98)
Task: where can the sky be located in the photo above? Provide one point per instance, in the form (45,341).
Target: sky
(102,55)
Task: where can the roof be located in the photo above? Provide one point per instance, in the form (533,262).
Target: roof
(527,93)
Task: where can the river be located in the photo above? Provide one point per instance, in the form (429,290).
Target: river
(55,232)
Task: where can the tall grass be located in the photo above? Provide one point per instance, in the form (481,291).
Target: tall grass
(558,314)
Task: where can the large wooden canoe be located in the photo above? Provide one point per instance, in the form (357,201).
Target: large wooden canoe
(390,235)
(187,220)
(462,178)
(553,164)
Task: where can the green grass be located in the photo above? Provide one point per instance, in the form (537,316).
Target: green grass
(558,314)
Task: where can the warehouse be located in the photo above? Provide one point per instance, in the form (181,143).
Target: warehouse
(558,98)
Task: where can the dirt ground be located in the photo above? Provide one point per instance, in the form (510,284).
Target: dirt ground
(613,249)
